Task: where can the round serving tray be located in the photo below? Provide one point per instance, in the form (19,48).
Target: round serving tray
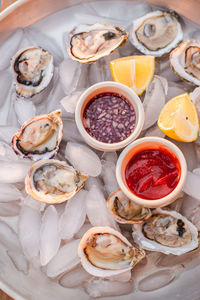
(35,285)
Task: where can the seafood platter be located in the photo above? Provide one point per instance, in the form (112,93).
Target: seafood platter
(100,155)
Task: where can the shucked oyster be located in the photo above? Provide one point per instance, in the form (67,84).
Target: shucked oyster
(156,33)
(32,70)
(167,232)
(126,211)
(53,181)
(185,61)
(105,252)
(39,137)
(88,43)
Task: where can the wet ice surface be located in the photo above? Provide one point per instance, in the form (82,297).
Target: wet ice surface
(104,288)
(154,100)
(56,230)
(49,235)
(25,110)
(75,278)
(65,260)
(96,209)
(29,225)
(74,207)
(83,159)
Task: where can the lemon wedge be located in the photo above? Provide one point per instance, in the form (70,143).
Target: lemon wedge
(134,71)
(179,120)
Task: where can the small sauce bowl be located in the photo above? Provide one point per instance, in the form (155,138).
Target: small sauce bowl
(150,143)
(113,88)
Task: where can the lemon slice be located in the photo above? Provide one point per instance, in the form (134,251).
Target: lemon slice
(134,71)
(179,119)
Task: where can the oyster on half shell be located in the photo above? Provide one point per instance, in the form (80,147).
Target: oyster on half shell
(39,137)
(124,210)
(106,252)
(167,232)
(32,71)
(185,61)
(156,33)
(53,181)
(88,43)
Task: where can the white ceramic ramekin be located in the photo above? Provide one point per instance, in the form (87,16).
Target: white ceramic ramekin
(112,87)
(144,144)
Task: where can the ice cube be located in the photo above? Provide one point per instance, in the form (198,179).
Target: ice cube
(97,211)
(37,38)
(9,209)
(108,176)
(98,287)
(83,159)
(13,171)
(7,153)
(35,204)
(8,237)
(110,156)
(69,73)
(74,278)
(25,110)
(70,131)
(94,181)
(191,186)
(123,10)
(19,261)
(166,71)
(53,100)
(7,114)
(29,224)
(5,85)
(189,153)
(83,230)
(8,192)
(154,131)
(49,235)
(7,132)
(74,215)
(65,260)
(187,260)
(175,89)
(84,18)
(69,102)
(9,47)
(122,277)
(157,280)
(154,100)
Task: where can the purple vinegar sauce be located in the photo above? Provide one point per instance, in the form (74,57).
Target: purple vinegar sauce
(109,118)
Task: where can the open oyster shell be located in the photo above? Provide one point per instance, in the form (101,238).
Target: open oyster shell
(88,43)
(185,61)
(124,210)
(53,181)
(39,137)
(166,232)
(156,33)
(105,252)
(32,71)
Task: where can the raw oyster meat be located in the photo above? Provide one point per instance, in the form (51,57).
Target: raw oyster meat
(185,61)
(167,232)
(126,211)
(156,33)
(105,252)
(32,70)
(53,181)
(39,137)
(88,43)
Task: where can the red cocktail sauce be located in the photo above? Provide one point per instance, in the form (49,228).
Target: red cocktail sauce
(152,174)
